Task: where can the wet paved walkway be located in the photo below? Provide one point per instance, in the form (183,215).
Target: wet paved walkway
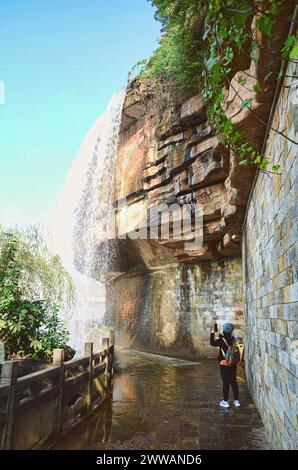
(165,403)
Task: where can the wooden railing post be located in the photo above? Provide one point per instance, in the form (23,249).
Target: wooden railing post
(9,377)
(105,343)
(89,352)
(112,337)
(112,350)
(105,346)
(58,360)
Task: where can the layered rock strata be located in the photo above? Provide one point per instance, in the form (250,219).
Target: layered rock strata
(158,293)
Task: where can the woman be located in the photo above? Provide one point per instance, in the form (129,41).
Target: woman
(228,372)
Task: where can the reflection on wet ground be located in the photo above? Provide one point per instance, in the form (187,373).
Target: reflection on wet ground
(165,403)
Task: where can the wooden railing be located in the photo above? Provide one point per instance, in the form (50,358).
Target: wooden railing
(38,408)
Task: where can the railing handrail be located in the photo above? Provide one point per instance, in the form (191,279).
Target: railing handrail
(44,373)
(23,394)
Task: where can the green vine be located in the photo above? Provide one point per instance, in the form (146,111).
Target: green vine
(206,40)
(228,32)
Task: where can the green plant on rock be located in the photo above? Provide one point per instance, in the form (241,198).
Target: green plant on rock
(199,48)
(178,57)
(33,287)
(228,32)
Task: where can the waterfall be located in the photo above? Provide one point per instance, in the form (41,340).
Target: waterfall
(82,218)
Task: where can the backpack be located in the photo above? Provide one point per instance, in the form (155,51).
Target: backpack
(232,356)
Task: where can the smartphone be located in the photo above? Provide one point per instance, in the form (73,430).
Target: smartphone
(215,329)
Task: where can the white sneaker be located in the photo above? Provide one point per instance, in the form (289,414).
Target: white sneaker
(237,403)
(224,404)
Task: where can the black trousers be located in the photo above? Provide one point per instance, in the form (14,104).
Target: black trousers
(228,375)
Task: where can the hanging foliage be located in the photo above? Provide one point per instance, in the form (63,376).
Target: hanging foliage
(200,44)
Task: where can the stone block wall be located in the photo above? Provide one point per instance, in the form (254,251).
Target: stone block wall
(171,309)
(271,281)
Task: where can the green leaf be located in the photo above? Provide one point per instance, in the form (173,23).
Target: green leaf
(274,8)
(264,164)
(258,159)
(246,103)
(257,88)
(229,54)
(228,126)
(241,80)
(35,344)
(294,52)
(289,47)
(235,137)
(265,25)
(240,18)
(275,167)
(216,75)
(223,28)
(290,41)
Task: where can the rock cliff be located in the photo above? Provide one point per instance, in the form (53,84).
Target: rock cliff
(168,154)
(162,296)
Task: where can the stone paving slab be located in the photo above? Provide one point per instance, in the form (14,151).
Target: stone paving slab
(166,403)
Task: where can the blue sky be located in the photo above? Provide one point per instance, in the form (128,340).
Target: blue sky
(60,62)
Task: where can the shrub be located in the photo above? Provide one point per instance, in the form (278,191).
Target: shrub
(178,59)
(33,287)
